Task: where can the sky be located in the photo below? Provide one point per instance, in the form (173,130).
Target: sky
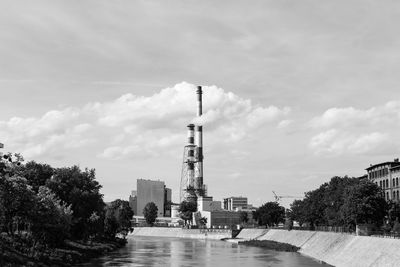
(295,92)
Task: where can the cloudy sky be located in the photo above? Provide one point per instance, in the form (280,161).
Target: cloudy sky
(295,92)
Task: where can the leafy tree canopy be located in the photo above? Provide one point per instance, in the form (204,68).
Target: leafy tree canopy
(80,190)
(364,203)
(118,218)
(186,209)
(270,214)
(150,212)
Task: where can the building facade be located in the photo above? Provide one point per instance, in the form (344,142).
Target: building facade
(167,202)
(133,201)
(386,175)
(152,191)
(235,203)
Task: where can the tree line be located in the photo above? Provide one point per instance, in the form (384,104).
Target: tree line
(42,206)
(342,202)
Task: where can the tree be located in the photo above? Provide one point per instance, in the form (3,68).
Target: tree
(51,220)
(186,209)
(36,174)
(270,214)
(244,217)
(150,212)
(297,211)
(364,203)
(322,206)
(80,190)
(17,203)
(118,218)
(10,164)
(203,221)
(334,197)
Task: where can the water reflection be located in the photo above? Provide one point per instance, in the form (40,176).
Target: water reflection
(152,251)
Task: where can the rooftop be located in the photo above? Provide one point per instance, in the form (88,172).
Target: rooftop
(390,163)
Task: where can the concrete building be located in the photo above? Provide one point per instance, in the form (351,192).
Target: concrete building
(235,203)
(206,203)
(386,175)
(168,202)
(220,218)
(152,191)
(133,201)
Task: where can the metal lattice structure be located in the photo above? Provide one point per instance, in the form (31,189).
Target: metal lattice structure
(189,190)
(192,185)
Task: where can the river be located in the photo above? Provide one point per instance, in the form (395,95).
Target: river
(155,251)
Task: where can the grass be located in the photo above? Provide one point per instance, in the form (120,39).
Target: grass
(271,245)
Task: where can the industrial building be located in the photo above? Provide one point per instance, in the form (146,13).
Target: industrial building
(386,175)
(192,187)
(152,191)
(235,203)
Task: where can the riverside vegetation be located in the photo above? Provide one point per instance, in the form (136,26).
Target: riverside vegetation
(269,244)
(55,216)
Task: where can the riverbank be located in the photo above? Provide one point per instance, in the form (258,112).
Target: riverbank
(18,253)
(214,234)
(339,249)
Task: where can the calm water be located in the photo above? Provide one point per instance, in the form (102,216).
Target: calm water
(155,251)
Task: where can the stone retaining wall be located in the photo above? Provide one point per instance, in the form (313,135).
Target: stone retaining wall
(217,234)
(341,249)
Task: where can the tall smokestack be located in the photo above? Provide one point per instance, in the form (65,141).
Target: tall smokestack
(199,143)
(190,155)
(199,101)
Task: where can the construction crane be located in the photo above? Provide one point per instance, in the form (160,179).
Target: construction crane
(278,198)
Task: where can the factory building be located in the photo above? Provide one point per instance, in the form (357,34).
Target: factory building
(386,175)
(235,203)
(152,191)
(207,203)
(220,218)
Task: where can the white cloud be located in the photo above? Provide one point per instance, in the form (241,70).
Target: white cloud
(55,131)
(357,131)
(284,123)
(142,125)
(160,119)
(336,142)
(352,117)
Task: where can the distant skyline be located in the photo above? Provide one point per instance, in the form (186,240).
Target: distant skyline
(295,92)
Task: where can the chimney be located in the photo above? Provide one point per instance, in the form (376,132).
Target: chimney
(396,160)
(199,143)
(199,101)
(190,155)
(190,134)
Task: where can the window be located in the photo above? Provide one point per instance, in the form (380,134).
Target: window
(387,195)
(387,183)
(393,182)
(382,184)
(393,194)
(397,194)
(397,181)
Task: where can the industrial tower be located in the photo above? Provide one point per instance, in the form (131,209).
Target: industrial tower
(192,185)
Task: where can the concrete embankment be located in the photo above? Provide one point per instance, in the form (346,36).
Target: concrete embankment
(216,234)
(340,249)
